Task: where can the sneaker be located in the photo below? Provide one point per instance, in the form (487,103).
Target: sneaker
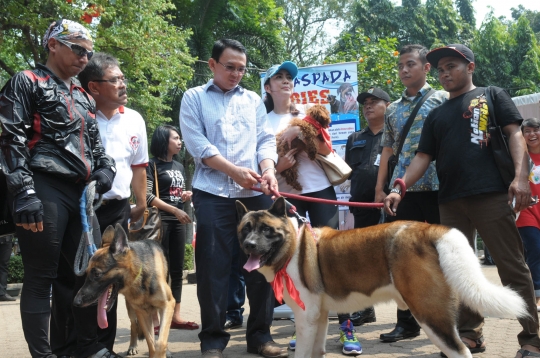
(351,346)
(292,342)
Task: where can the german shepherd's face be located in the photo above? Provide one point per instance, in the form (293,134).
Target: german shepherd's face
(266,236)
(105,275)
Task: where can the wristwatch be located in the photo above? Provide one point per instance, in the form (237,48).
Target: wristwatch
(396,190)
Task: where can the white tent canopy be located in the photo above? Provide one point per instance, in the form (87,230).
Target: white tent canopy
(528,105)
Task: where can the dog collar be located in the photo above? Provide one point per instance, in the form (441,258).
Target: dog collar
(278,287)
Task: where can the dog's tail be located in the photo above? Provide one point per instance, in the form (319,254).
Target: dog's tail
(464,274)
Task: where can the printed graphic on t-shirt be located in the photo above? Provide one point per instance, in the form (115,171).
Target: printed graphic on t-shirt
(177,184)
(134,142)
(478,115)
(534,175)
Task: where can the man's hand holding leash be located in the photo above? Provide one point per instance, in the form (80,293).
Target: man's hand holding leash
(269,183)
(397,193)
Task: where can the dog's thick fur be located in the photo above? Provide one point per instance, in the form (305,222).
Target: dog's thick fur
(138,270)
(310,144)
(429,269)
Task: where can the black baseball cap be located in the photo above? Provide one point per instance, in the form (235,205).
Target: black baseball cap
(373,92)
(454,50)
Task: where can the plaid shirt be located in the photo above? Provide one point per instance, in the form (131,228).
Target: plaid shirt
(231,124)
(397,115)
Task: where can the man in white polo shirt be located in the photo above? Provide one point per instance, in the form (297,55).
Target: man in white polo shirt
(123,134)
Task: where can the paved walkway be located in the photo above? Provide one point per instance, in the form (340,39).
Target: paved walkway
(500,334)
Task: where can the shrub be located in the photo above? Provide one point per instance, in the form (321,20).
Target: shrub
(15,269)
(188,258)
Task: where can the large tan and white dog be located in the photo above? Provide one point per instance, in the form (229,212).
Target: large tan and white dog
(427,268)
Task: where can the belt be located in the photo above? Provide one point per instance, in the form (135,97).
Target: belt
(110,201)
(7,238)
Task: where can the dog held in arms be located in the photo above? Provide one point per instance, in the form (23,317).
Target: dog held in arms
(429,269)
(317,115)
(138,270)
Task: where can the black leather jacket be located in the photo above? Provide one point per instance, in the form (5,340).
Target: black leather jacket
(50,128)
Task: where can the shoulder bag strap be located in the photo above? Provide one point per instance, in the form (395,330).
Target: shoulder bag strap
(491,108)
(156,179)
(410,121)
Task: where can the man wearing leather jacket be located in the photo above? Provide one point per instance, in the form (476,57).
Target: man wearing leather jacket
(52,149)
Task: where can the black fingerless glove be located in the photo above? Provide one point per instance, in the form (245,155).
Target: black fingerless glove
(27,208)
(104,178)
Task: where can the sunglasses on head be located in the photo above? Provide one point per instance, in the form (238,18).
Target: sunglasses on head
(77,49)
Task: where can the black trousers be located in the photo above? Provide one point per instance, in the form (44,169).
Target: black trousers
(174,248)
(417,206)
(216,236)
(5,254)
(41,253)
(64,335)
(319,214)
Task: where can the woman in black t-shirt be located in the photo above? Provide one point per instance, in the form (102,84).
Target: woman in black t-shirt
(165,144)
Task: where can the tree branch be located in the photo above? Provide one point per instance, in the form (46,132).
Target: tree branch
(31,44)
(6,68)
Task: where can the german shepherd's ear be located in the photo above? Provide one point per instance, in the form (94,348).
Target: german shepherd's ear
(119,245)
(278,208)
(107,237)
(241,210)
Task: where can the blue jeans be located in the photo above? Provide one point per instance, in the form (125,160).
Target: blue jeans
(531,241)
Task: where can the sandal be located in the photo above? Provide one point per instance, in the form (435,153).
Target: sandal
(526,353)
(478,348)
(185,325)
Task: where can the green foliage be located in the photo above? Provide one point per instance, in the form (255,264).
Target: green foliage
(376,61)
(306,24)
(15,269)
(507,55)
(153,53)
(189,258)
(435,23)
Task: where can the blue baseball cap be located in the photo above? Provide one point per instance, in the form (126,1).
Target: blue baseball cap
(287,66)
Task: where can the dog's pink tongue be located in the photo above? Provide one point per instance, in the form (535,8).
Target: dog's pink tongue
(102,311)
(253,262)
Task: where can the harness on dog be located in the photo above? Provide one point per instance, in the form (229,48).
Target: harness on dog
(86,207)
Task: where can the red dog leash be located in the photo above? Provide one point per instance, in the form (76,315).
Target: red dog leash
(323,201)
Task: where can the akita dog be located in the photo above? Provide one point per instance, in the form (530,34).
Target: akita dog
(138,270)
(428,269)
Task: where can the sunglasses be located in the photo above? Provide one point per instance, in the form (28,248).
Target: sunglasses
(77,49)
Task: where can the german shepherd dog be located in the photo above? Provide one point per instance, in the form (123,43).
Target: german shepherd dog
(138,270)
(429,269)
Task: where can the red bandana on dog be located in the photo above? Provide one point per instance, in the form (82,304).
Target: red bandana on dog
(320,130)
(277,285)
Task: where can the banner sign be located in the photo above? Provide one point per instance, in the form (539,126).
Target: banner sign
(335,86)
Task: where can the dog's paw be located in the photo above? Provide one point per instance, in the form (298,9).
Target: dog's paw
(132,351)
(169,354)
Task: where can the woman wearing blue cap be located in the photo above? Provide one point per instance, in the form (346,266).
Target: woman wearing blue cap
(279,86)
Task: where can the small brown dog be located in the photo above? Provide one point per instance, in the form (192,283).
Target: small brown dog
(310,143)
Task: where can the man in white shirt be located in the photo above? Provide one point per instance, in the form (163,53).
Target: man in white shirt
(123,134)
